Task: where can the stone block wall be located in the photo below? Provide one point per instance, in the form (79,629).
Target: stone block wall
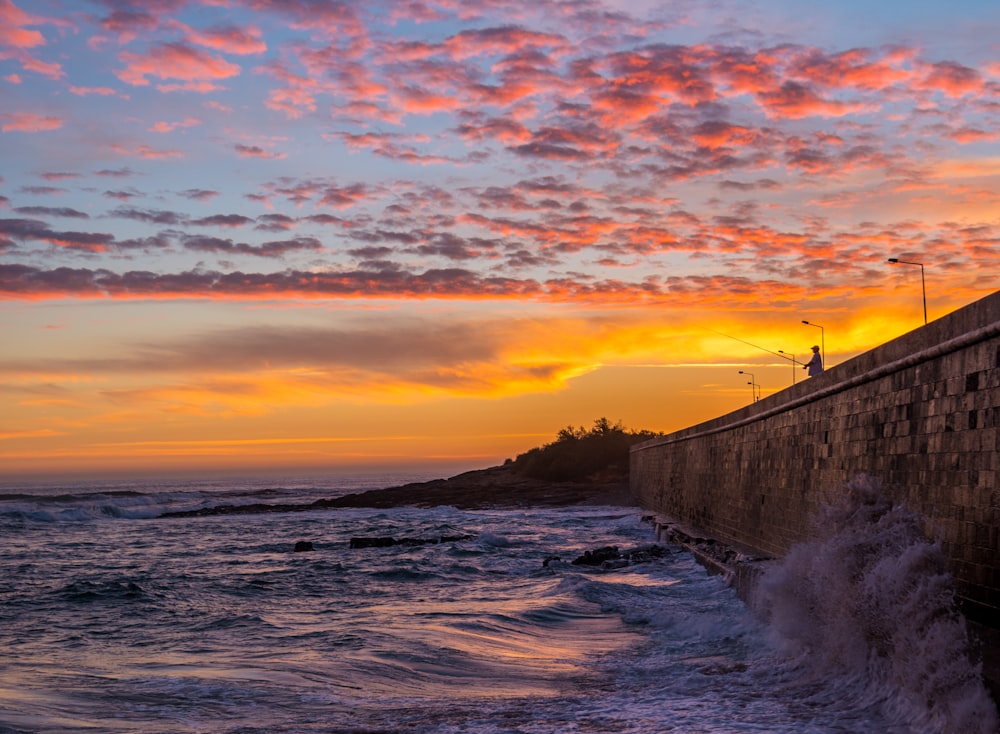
(921,413)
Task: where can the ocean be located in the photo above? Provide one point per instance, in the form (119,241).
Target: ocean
(114,618)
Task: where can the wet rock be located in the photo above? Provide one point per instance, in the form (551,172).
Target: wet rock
(385,541)
(609,557)
(303,546)
(598,556)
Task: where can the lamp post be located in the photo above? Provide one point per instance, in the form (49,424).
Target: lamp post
(923,284)
(754,387)
(792,358)
(822,341)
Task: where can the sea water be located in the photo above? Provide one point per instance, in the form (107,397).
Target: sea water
(116,618)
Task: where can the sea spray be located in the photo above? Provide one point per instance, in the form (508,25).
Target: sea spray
(870,600)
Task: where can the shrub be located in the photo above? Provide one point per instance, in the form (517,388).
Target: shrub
(578,453)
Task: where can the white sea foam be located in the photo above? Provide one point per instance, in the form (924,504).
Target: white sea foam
(870,602)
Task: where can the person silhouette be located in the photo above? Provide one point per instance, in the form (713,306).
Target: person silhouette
(814,365)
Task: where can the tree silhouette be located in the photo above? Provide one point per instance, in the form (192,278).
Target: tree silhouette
(579,454)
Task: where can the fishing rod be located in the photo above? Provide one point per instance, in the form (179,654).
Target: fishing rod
(749,344)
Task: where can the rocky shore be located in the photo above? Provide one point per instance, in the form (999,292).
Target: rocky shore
(495,487)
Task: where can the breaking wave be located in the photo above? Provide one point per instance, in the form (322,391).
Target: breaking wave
(871,601)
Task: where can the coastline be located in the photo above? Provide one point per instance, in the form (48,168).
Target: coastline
(496,487)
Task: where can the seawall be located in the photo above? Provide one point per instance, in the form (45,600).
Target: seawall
(921,413)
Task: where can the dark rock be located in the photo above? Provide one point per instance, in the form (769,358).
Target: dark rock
(599,556)
(303,546)
(385,542)
(644,553)
(609,557)
(372,542)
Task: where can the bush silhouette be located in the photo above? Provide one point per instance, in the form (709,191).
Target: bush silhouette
(578,454)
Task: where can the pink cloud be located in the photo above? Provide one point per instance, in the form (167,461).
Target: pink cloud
(127,24)
(222,220)
(324,192)
(145,151)
(166,127)
(14,31)
(951,79)
(342,197)
(422,101)
(338,19)
(85,91)
(176,61)
(199,194)
(29,122)
(213,105)
(969,134)
(199,87)
(227,39)
(367,111)
(854,68)
(49,69)
(255,151)
(794,100)
(718,134)
(28,230)
(18,39)
(504,40)
(297,96)
(505,130)
(395,147)
(671,73)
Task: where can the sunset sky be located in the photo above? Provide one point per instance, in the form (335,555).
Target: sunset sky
(335,236)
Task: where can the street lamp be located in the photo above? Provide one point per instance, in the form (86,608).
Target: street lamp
(792,358)
(822,341)
(923,285)
(754,387)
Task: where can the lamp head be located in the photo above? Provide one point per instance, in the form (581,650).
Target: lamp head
(894,260)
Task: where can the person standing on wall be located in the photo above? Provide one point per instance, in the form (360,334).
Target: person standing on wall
(814,365)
